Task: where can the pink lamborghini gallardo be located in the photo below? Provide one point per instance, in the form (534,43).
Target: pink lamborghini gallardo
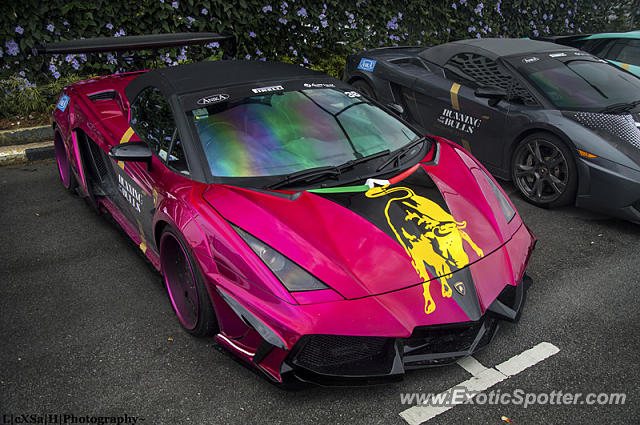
(311,231)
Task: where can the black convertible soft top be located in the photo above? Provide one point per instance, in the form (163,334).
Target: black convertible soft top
(491,47)
(202,77)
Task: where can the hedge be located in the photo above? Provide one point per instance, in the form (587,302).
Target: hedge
(315,33)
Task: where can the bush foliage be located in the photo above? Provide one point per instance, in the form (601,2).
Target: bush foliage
(314,33)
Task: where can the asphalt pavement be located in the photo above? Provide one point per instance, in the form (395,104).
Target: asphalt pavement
(86,328)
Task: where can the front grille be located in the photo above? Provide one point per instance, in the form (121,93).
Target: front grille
(346,355)
(433,346)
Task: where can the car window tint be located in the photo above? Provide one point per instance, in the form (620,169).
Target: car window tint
(475,70)
(152,120)
(177,159)
(630,53)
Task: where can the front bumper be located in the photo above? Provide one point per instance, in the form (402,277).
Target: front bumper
(610,188)
(356,360)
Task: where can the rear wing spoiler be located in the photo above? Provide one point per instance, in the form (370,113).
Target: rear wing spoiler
(133,42)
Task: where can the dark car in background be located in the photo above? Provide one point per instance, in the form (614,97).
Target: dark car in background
(619,48)
(559,122)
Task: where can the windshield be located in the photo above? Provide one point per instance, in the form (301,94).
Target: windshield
(586,85)
(288,132)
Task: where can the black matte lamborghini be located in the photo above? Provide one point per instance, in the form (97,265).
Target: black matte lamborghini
(561,123)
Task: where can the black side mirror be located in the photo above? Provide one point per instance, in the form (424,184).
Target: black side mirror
(494,94)
(396,109)
(132,152)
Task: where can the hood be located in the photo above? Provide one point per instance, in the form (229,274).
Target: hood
(432,220)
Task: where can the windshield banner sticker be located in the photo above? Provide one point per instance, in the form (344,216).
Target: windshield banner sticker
(459,121)
(557,55)
(267,89)
(216,98)
(352,93)
(532,59)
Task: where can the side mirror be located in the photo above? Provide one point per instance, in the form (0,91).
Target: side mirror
(396,109)
(132,152)
(494,94)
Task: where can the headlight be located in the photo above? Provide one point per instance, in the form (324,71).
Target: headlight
(505,206)
(292,276)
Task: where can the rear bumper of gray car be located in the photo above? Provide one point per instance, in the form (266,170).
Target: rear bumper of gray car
(609,187)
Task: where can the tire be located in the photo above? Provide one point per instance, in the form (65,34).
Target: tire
(365,88)
(544,171)
(185,285)
(65,172)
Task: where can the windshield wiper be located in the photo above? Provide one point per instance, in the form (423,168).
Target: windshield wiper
(305,175)
(401,152)
(329,171)
(618,108)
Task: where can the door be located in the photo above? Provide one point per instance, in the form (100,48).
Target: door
(140,186)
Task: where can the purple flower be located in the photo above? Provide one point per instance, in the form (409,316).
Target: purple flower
(111,59)
(536,33)
(259,52)
(119,33)
(295,52)
(204,11)
(305,60)
(22,74)
(545,16)
(478,9)
(248,56)
(302,12)
(283,21)
(56,74)
(392,24)
(267,8)
(561,5)
(191,20)
(109,25)
(65,23)
(263,59)
(213,45)
(478,35)
(454,6)
(174,4)
(252,34)
(12,48)
(19,29)
(324,23)
(52,67)
(75,64)
(51,28)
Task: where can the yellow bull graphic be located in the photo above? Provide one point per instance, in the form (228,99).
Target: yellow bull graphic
(429,235)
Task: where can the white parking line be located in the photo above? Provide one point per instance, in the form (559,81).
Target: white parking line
(483,378)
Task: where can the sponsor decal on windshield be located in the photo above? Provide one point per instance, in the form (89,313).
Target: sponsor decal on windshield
(352,93)
(215,98)
(267,89)
(557,55)
(531,59)
(459,121)
(367,64)
(318,85)
(581,54)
